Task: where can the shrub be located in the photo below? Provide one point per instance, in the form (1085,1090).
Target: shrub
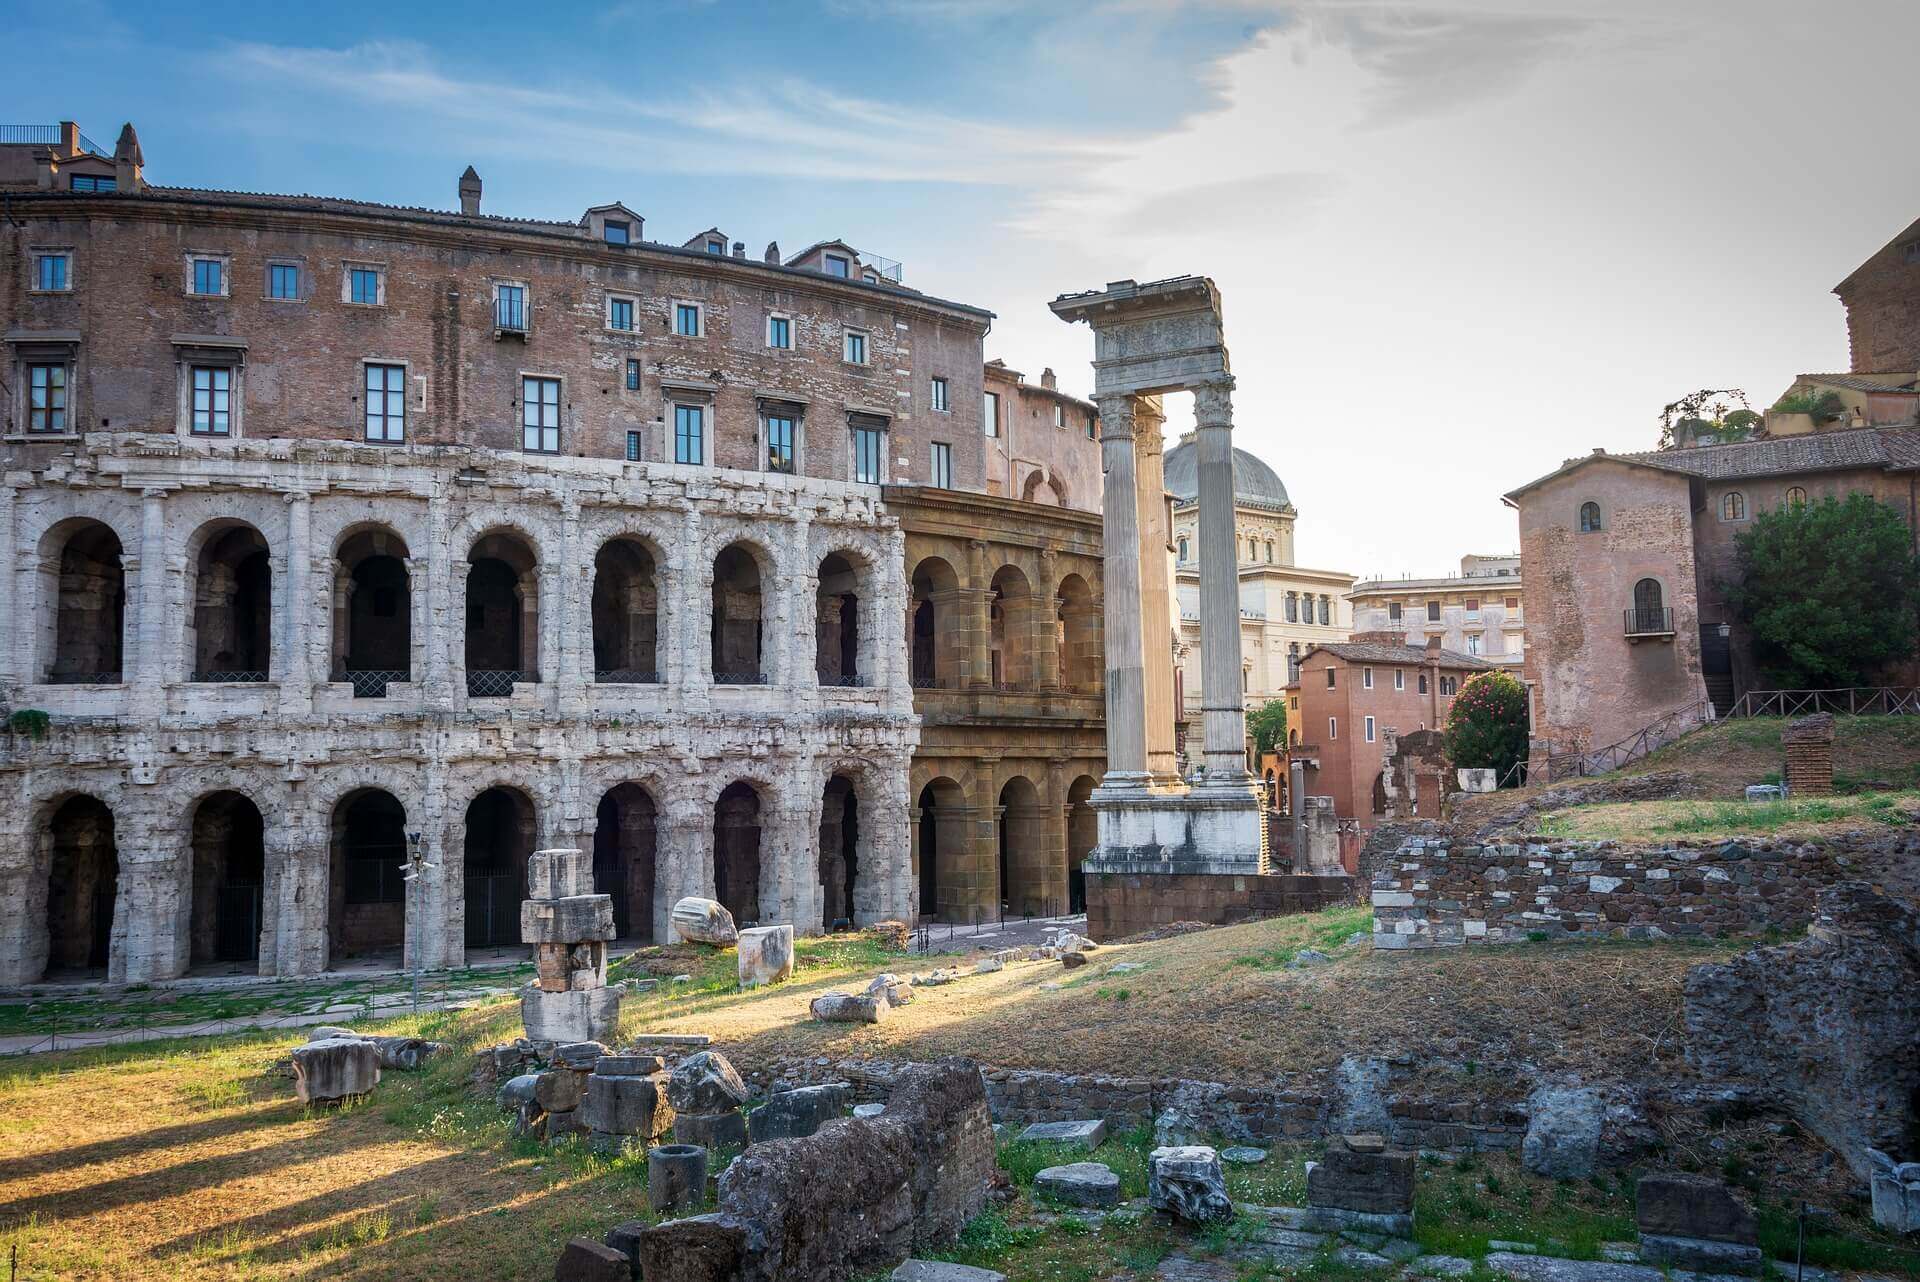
(1487,723)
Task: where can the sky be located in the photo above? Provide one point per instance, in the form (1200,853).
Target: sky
(1457,242)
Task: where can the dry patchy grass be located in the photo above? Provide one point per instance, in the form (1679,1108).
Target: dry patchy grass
(1798,817)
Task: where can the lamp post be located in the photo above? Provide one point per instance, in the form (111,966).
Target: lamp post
(415,867)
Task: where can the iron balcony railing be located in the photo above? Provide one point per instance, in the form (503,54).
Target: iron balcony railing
(229,676)
(626,676)
(83,678)
(496,685)
(44,135)
(924,681)
(740,678)
(372,683)
(510,314)
(1650,623)
(849,681)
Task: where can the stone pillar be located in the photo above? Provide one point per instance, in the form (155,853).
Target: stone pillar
(683,858)
(573,628)
(1296,797)
(1120,531)
(440,628)
(537,592)
(292,651)
(1156,589)
(150,627)
(1053,890)
(1221,699)
(976,619)
(300,848)
(1046,625)
(976,894)
(16,660)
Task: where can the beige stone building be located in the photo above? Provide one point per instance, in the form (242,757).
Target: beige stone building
(1042,445)
(1285,609)
(1479,612)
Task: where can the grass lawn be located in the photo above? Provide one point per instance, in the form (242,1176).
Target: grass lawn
(1712,820)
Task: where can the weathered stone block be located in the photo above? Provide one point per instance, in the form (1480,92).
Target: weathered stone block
(705,1083)
(566,921)
(585,1260)
(1080,1183)
(704,921)
(1701,1255)
(848,1008)
(588,1015)
(627,1106)
(1678,1205)
(560,1090)
(339,1068)
(765,955)
(1354,1175)
(1088,1134)
(1186,1182)
(1563,1137)
(711,1130)
(941,1271)
(627,1065)
(798,1112)
(559,874)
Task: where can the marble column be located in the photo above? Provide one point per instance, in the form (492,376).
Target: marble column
(1156,588)
(1225,724)
(1120,531)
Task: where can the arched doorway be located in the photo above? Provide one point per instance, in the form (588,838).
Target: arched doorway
(367,897)
(736,852)
(1023,854)
(1083,834)
(372,612)
(90,605)
(229,869)
(500,831)
(625,837)
(626,613)
(932,657)
(941,846)
(737,628)
(83,882)
(836,623)
(839,846)
(232,620)
(503,615)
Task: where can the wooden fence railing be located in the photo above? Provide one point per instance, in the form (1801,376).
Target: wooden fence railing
(1655,734)
(1853,701)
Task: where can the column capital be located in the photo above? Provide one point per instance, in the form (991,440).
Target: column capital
(1116,416)
(1213,402)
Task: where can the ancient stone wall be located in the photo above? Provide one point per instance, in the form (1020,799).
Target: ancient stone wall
(1123,904)
(1433,892)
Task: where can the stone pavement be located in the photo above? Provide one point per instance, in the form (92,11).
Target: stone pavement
(1027,932)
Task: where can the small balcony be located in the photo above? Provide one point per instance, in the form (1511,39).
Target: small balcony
(509,318)
(1649,624)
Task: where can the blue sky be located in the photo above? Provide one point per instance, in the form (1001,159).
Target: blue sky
(1458,240)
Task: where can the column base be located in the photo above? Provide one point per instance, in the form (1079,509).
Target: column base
(1190,831)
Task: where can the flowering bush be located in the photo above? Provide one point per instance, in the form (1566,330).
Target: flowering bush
(1487,724)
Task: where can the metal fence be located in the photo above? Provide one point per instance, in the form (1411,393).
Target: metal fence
(229,676)
(1851,701)
(740,678)
(626,676)
(484,684)
(372,683)
(1657,734)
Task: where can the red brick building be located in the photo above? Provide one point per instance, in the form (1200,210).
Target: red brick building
(1351,696)
(1882,298)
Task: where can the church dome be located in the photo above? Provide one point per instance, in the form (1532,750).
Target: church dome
(1254,483)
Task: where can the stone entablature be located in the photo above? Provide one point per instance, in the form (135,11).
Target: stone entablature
(1432,892)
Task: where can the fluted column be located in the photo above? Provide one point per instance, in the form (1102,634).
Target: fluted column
(1225,725)
(1120,532)
(1156,589)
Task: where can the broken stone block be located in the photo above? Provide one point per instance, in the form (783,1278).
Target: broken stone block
(566,921)
(585,1260)
(765,955)
(559,1090)
(987,965)
(1563,1132)
(585,1015)
(627,1065)
(698,1248)
(1073,961)
(561,1125)
(1080,1184)
(338,1068)
(1360,1183)
(711,1130)
(895,990)
(1693,1222)
(1088,1135)
(705,1083)
(798,1112)
(625,1238)
(704,921)
(1700,1255)
(676,1177)
(1187,1183)
(868,1110)
(941,1271)
(627,1106)
(559,874)
(516,1091)
(1895,1190)
(847,1008)
(581,1056)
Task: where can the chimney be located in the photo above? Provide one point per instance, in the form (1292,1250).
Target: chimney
(1433,649)
(773,252)
(470,192)
(69,140)
(740,249)
(128,162)
(1048,381)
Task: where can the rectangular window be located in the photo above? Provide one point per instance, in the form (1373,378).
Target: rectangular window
(1513,603)
(387,403)
(617,231)
(633,447)
(1059,416)
(779,443)
(1366,678)
(869,443)
(856,347)
(686,320)
(540,415)
(940,394)
(510,307)
(1433,612)
(209,276)
(94,182)
(1393,612)
(633,375)
(212,400)
(1473,605)
(1329,678)
(620,313)
(46,399)
(838,266)
(1092,435)
(283,280)
(1326,611)
(1399,679)
(991,419)
(942,472)
(689,434)
(717,247)
(1423,683)
(780,332)
(1473,643)
(1369,729)
(363,286)
(1333,727)
(52,272)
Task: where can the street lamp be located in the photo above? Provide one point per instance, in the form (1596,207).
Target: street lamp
(411,874)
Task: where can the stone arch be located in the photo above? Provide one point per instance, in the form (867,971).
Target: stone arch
(75,935)
(366,887)
(83,580)
(843,618)
(1380,793)
(229,619)
(839,850)
(372,609)
(227,856)
(1083,835)
(935,647)
(626,841)
(940,848)
(626,610)
(1021,832)
(1041,487)
(738,867)
(497,834)
(1078,636)
(502,612)
(1011,616)
(738,634)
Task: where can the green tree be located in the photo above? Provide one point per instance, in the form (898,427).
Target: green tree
(1829,592)
(1269,725)
(1487,724)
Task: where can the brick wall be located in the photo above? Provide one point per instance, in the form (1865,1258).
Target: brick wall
(1123,904)
(1433,893)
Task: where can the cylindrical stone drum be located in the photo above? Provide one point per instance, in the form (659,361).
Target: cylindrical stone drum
(676,1177)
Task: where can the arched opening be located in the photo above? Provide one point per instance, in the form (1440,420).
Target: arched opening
(83,881)
(90,606)
(372,612)
(625,837)
(229,870)
(1040,488)
(836,623)
(736,852)
(934,655)
(1078,636)
(1380,793)
(1648,616)
(1589,517)
(839,861)
(941,846)
(500,830)
(736,633)
(626,613)
(503,615)
(1023,854)
(1083,834)
(232,621)
(367,896)
(1010,622)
